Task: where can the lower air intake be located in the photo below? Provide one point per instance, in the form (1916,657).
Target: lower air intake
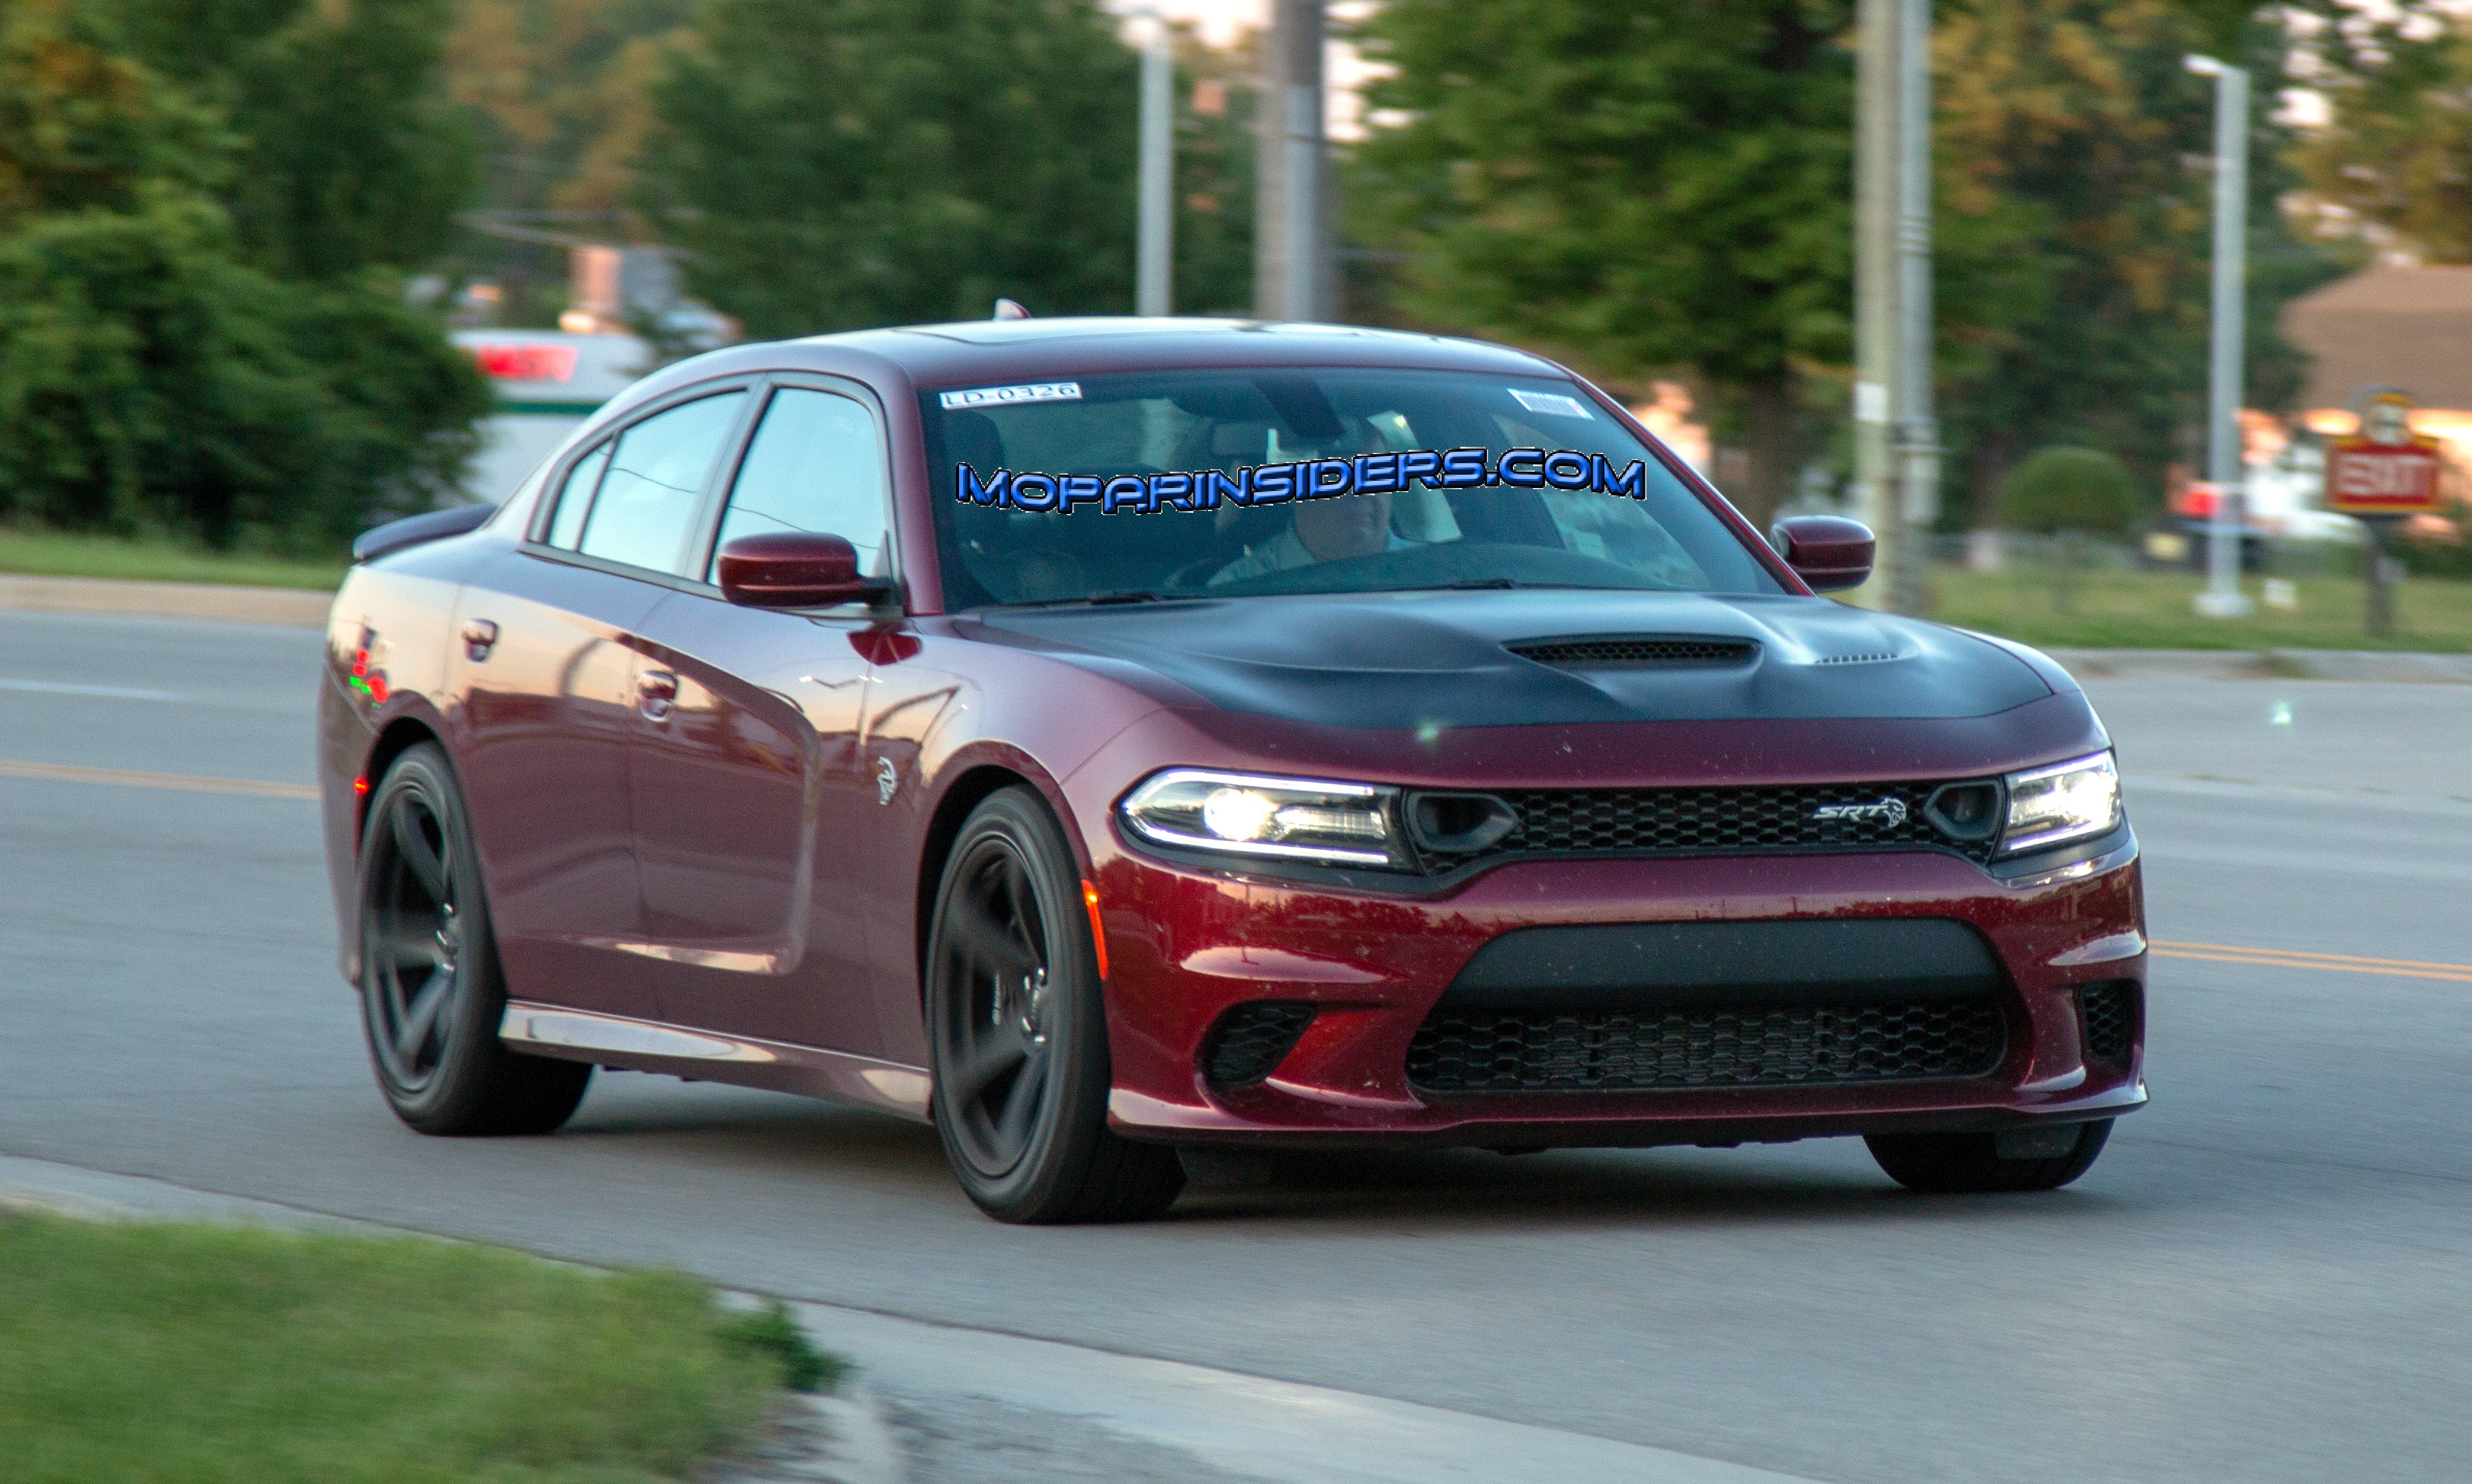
(2109,1013)
(1690,1046)
(1250,1040)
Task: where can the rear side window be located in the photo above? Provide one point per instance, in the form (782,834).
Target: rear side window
(648,497)
(574,497)
(814,467)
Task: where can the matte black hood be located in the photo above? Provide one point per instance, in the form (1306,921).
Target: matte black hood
(1410,659)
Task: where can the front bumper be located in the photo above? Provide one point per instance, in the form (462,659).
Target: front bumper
(1186,944)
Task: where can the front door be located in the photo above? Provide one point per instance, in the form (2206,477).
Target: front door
(748,798)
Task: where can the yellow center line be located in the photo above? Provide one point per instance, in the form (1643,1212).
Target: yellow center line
(2336,962)
(129,777)
(2330,958)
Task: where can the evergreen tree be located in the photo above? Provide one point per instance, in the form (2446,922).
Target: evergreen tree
(838,164)
(1641,186)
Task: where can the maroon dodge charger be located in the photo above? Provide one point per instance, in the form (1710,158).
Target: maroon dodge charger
(1106,737)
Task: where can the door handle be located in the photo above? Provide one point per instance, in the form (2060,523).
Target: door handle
(656,691)
(478,634)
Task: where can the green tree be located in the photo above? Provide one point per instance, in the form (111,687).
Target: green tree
(836,163)
(349,154)
(2396,154)
(149,374)
(2071,133)
(1642,187)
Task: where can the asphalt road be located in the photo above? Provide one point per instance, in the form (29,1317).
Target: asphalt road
(2263,1280)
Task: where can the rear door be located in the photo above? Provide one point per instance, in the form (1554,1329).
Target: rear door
(548,683)
(748,803)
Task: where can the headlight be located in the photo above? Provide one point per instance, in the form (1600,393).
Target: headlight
(1299,819)
(2070,800)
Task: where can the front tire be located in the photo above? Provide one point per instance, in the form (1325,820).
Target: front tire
(1971,1163)
(431,995)
(1017,1032)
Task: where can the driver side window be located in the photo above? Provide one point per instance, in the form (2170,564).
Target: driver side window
(815,465)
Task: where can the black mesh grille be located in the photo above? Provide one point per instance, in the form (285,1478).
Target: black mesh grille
(1694,1046)
(1635,649)
(1784,820)
(2109,1012)
(1250,1040)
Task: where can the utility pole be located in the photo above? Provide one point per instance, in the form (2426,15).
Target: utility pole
(1154,258)
(1292,267)
(1896,436)
(2225,466)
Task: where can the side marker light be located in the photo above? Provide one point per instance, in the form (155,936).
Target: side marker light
(1098,929)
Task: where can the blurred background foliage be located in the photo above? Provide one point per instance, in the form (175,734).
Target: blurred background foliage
(2063,489)
(211,210)
(204,211)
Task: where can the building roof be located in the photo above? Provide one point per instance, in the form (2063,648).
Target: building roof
(2407,327)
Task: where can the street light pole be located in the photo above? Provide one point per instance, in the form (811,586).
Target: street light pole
(2223,597)
(1917,429)
(1154,258)
(1896,436)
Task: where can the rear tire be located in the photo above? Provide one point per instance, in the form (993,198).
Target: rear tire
(1017,1032)
(1970,1163)
(431,993)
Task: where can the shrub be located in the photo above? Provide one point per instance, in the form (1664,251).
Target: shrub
(2065,489)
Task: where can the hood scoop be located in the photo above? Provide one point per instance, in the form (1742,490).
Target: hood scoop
(1636,650)
(1866,656)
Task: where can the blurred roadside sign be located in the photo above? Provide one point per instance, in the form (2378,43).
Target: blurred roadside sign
(2385,468)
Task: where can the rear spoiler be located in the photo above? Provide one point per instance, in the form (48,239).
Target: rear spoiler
(413,530)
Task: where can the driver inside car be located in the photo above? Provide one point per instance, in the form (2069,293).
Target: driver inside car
(1354,525)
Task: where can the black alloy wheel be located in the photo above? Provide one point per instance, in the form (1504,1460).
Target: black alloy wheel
(1017,1029)
(1972,1164)
(431,995)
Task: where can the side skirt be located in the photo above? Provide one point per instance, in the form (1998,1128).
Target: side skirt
(708,1056)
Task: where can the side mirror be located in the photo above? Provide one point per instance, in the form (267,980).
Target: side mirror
(1829,553)
(796,570)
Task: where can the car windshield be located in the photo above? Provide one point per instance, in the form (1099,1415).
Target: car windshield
(1234,482)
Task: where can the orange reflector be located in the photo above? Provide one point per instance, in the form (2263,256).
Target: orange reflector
(1098,929)
(361,786)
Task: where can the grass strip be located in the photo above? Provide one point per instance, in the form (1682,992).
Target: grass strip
(36,553)
(195,1355)
(2130,610)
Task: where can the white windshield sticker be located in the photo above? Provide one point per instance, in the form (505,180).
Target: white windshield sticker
(1034,392)
(1552,404)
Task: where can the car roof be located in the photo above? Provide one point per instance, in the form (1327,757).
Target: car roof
(976,351)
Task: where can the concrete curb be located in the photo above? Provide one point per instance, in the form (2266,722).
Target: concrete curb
(286,607)
(1249,1427)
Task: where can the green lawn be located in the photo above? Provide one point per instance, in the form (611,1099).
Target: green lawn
(63,554)
(2151,610)
(192,1354)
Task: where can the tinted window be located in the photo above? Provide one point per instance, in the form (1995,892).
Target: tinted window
(1183,483)
(815,465)
(574,497)
(649,496)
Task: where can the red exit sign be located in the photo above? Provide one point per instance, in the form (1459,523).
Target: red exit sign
(2365,478)
(526,363)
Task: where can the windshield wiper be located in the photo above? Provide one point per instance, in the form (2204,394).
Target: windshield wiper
(1093,600)
(1465,584)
